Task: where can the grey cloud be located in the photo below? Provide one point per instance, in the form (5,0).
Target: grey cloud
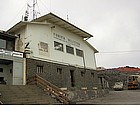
(114,24)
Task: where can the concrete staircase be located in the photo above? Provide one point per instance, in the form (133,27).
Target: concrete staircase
(53,90)
(25,95)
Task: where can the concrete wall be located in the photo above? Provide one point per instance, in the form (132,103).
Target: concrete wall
(13,69)
(18,69)
(37,33)
(22,40)
(13,72)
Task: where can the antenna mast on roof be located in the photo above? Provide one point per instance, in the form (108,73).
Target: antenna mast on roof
(34,12)
(26,17)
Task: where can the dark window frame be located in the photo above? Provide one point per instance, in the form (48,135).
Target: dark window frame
(69,49)
(39,69)
(79,52)
(9,43)
(82,73)
(1,70)
(59,71)
(92,74)
(60,48)
(2,43)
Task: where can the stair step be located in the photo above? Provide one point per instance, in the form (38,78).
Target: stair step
(29,94)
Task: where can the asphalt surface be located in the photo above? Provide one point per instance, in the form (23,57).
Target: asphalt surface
(125,97)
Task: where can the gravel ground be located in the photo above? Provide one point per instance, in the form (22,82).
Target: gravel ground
(125,97)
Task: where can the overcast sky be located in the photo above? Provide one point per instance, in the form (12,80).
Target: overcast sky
(115,25)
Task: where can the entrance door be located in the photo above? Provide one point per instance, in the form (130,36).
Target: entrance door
(72,78)
(6,76)
(2,80)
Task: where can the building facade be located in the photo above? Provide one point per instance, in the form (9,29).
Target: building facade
(58,51)
(12,63)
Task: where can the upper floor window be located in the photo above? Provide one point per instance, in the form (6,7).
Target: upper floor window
(79,52)
(69,49)
(2,44)
(10,45)
(7,43)
(58,46)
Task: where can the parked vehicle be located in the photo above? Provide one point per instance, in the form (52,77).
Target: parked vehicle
(118,86)
(134,82)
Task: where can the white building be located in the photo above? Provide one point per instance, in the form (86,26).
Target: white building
(56,50)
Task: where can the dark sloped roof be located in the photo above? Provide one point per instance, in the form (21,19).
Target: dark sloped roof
(3,33)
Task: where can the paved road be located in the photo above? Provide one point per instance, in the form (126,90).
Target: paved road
(125,97)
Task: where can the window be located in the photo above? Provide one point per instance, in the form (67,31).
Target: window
(58,46)
(43,47)
(2,44)
(69,49)
(92,75)
(82,73)
(7,43)
(1,79)
(59,70)
(10,44)
(11,71)
(39,69)
(1,69)
(79,52)
(72,76)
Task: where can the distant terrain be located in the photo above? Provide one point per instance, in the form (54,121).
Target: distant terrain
(118,74)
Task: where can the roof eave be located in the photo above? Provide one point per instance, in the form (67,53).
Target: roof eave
(95,51)
(17,26)
(3,33)
(64,24)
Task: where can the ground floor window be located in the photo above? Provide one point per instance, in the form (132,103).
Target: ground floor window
(59,70)
(1,78)
(92,74)
(40,69)
(1,69)
(82,73)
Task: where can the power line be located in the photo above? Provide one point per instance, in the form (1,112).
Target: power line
(16,15)
(117,52)
(43,3)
